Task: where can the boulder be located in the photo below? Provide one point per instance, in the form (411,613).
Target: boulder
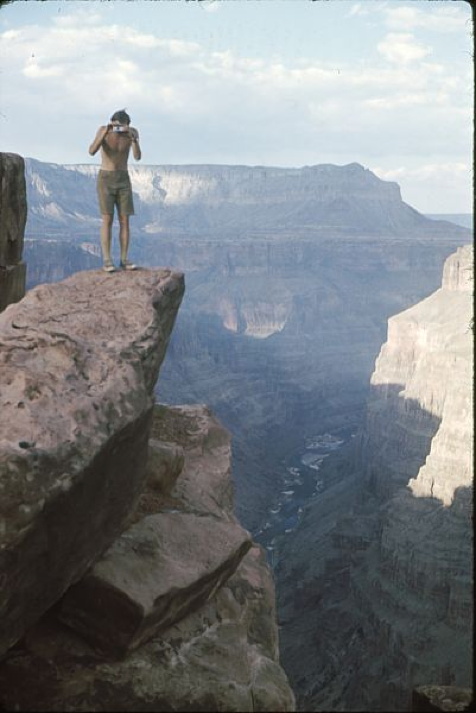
(205,484)
(165,463)
(222,657)
(78,365)
(158,571)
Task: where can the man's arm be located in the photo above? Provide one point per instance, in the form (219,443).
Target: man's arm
(136,152)
(100,135)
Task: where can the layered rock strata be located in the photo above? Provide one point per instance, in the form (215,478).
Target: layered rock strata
(385,603)
(78,366)
(292,275)
(12,227)
(187,569)
(232,200)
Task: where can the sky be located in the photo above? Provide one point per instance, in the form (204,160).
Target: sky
(384,83)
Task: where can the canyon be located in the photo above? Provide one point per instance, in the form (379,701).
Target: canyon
(383,556)
(291,277)
(126,581)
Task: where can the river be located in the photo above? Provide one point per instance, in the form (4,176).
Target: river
(302,482)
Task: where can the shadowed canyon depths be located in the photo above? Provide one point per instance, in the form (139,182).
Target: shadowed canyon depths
(291,276)
(383,557)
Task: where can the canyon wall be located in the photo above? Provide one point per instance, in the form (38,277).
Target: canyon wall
(231,200)
(12,226)
(127,582)
(287,298)
(376,582)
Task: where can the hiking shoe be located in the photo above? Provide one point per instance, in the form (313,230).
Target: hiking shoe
(108,266)
(128,265)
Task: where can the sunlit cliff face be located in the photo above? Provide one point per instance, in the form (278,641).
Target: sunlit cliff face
(258,320)
(429,357)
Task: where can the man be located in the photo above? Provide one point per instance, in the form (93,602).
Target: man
(114,184)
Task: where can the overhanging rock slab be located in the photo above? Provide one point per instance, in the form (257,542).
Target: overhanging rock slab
(78,364)
(157,572)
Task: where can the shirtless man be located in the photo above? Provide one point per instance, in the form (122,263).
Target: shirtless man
(114,184)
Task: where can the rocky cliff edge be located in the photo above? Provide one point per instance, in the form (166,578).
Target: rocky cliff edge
(127,582)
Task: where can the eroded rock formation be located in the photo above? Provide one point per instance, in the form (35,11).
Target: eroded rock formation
(179,614)
(385,602)
(12,228)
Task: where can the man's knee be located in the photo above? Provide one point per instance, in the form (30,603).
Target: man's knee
(123,219)
(107,219)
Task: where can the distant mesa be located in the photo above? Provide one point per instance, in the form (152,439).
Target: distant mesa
(230,201)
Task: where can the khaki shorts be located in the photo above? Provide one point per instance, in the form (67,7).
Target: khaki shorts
(114,188)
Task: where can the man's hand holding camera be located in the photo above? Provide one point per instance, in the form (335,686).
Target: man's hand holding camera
(122,130)
(128,132)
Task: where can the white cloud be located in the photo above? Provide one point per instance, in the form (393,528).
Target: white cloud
(360,9)
(80,17)
(402,47)
(355,10)
(424,172)
(210,5)
(11,35)
(444,17)
(435,187)
(193,103)
(34,70)
(441,17)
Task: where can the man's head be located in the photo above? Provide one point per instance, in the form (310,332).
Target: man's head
(122,117)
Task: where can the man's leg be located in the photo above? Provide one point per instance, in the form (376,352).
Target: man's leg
(106,235)
(124,236)
(124,241)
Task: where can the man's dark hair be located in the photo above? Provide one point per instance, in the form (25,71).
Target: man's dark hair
(121,116)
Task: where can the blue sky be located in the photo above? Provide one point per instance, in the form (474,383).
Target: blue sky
(258,82)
